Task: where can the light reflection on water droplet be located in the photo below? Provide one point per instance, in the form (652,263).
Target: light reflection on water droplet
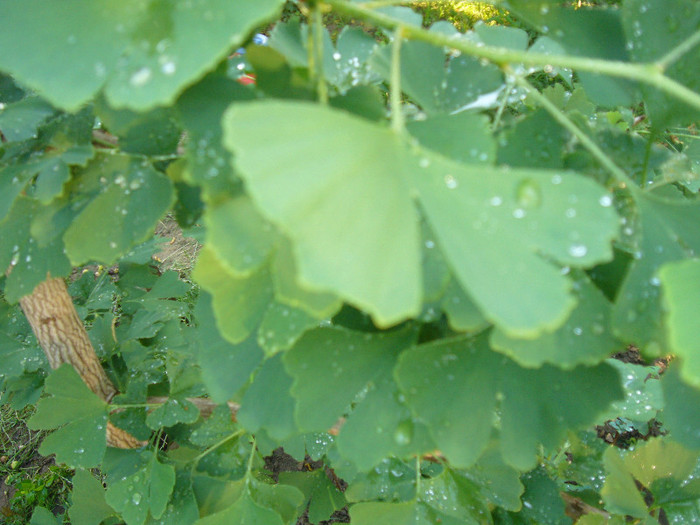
(450,182)
(578,250)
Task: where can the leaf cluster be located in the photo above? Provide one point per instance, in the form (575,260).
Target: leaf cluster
(418,255)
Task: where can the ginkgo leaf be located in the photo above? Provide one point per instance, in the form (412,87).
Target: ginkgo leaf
(81,415)
(353,226)
(143,54)
(536,406)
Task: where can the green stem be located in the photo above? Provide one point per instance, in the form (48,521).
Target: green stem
(197,458)
(651,74)
(397,120)
(321,87)
(585,140)
(418,475)
(677,52)
(645,166)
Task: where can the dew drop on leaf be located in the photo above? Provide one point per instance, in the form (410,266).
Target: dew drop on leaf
(450,182)
(578,250)
(403,435)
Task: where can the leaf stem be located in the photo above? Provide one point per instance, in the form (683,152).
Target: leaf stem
(198,457)
(677,52)
(397,120)
(651,74)
(558,115)
(418,474)
(317,42)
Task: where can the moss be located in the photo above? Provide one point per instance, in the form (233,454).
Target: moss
(463,15)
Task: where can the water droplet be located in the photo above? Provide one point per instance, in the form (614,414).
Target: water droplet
(141,77)
(556,179)
(578,250)
(450,182)
(518,213)
(496,200)
(424,162)
(136,498)
(168,68)
(570,213)
(605,201)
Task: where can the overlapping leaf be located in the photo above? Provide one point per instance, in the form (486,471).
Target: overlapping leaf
(537,406)
(664,236)
(350,217)
(143,54)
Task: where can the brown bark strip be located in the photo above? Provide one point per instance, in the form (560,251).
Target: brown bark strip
(62,336)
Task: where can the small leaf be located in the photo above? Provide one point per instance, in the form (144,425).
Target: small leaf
(225,367)
(82,441)
(267,403)
(171,412)
(367,255)
(473,378)
(585,337)
(147,489)
(331,366)
(320,493)
(245,511)
(239,303)
(89,505)
(123,214)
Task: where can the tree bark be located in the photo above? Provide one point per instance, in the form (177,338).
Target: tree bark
(62,336)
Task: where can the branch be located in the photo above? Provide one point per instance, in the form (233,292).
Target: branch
(651,74)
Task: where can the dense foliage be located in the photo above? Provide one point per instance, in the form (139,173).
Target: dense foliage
(421,249)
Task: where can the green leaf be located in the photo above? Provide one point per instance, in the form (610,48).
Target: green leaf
(148,489)
(267,403)
(448,135)
(348,360)
(680,283)
(89,506)
(409,513)
(31,261)
(659,465)
(682,410)
(663,237)
(82,416)
(143,54)
(282,326)
(225,367)
(542,502)
(240,237)
(244,511)
(565,217)
(654,28)
(134,197)
(321,494)
(462,314)
(643,395)
(367,255)
(472,378)
(525,214)
(239,303)
(21,120)
(380,426)
(585,337)
(285,500)
(171,412)
(535,142)
(200,107)
(43,516)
